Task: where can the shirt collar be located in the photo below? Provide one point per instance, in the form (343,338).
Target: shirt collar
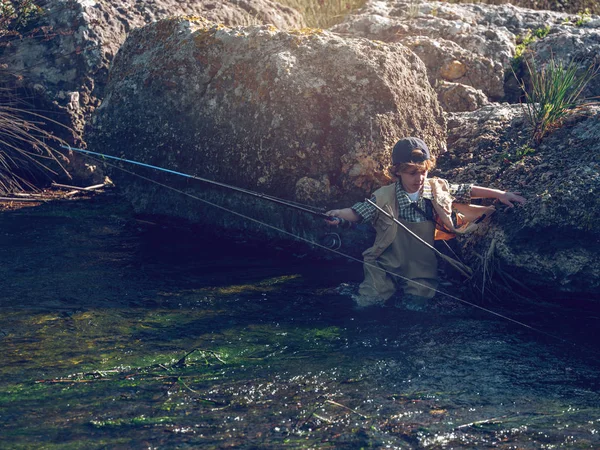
(425,192)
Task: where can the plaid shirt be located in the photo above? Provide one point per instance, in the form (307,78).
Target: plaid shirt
(460,192)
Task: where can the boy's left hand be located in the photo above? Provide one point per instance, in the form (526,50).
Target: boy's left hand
(509,198)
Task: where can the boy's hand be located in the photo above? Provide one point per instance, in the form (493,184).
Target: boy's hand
(509,198)
(342,217)
(334,221)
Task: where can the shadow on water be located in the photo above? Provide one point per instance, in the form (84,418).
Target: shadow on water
(120,334)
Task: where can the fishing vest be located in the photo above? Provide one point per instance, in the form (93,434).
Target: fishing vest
(466,216)
(385,227)
(454,218)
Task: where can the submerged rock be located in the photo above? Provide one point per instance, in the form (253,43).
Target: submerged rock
(305,116)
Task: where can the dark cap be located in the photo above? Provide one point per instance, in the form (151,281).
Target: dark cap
(402,152)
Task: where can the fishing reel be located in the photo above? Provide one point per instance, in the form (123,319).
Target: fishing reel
(332,241)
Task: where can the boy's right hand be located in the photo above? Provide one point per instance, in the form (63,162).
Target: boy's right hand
(341,217)
(334,221)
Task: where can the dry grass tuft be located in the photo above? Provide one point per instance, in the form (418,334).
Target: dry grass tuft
(27,155)
(324,13)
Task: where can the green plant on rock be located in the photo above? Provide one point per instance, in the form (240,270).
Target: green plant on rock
(582,18)
(524,41)
(542,32)
(509,157)
(16,15)
(555,94)
(523,151)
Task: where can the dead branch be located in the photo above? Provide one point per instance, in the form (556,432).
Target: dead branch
(77,188)
(21,199)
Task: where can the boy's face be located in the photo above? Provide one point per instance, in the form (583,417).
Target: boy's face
(413,179)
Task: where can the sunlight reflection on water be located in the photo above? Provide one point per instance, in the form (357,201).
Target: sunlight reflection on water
(128,339)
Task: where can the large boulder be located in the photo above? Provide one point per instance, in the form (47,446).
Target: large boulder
(552,242)
(304,116)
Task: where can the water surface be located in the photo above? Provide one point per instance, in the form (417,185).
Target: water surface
(120,334)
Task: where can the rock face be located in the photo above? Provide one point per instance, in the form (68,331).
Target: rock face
(467,49)
(66,66)
(474,45)
(308,117)
(553,241)
(580,45)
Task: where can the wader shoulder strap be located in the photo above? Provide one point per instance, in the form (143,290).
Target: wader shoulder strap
(428,213)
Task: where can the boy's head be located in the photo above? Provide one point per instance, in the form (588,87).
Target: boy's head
(411,153)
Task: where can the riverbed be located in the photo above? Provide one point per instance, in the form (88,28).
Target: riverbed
(118,332)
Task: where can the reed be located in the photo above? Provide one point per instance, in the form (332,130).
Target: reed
(555,93)
(26,151)
(324,13)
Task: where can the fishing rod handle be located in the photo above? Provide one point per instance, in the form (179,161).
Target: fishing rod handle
(342,223)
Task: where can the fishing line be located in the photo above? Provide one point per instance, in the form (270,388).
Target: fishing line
(316,244)
(299,206)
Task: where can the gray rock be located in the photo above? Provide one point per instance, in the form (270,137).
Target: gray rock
(485,38)
(552,242)
(447,61)
(460,97)
(68,66)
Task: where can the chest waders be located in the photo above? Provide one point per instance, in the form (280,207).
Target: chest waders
(395,250)
(407,257)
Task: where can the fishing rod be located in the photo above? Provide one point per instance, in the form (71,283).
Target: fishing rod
(343,223)
(316,244)
(333,239)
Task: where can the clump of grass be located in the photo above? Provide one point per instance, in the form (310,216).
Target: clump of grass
(324,13)
(26,152)
(555,94)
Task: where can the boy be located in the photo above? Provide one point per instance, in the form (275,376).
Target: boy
(416,201)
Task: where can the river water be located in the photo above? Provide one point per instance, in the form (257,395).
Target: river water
(121,334)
